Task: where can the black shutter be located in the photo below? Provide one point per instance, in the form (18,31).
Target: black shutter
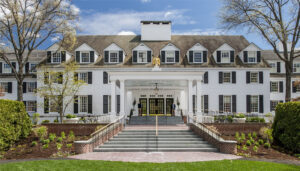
(220,77)
(46,77)
(118,103)
(205,103)
(163,54)
(27,67)
(9,89)
(106,56)
(60,77)
(191,56)
(248,103)
(218,56)
(206,78)
(105,104)
(281,86)
(233,75)
(148,56)
(77,56)
(261,77)
(75,104)
(92,56)
(24,103)
(278,67)
(248,77)
(231,56)
(134,58)
(270,86)
(176,56)
(90,78)
(220,103)
(258,55)
(48,56)
(90,104)
(194,103)
(120,56)
(105,77)
(0,67)
(24,87)
(63,56)
(204,56)
(245,56)
(294,87)
(271,106)
(261,104)
(233,103)
(75,76)
(14,66)
(46,105)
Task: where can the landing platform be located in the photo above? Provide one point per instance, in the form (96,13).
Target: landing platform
(160,127)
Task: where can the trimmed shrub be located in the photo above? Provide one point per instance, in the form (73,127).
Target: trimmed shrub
(52,137)
(15,123)
(63,135)
(252,140)
(70,116)
(45,121)
(59,139)
(286,126)
(41,132)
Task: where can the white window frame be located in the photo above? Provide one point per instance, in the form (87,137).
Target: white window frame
(6,68)
(166,58)
(297,88)
(275,84)
(144,56)
(83,108)
(31,87)
(81,57)
(31,67)
(296,67)
(254,109)
(254,57)
(4,86)
(273,67)
(83,76)
(201,56)
(33,105)
(111,52)
(230,103)
(230,77)
(58,57)
(274,101)
(223,58)
(257,77)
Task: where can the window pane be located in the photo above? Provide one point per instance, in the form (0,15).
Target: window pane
(274,104)
(251,56)
(274,86)
(32,67)
(113,57)
(31,86)
(226,77)
(227,103)
(273,69)
(83,101)
(225,57)
(4,86)
(83,76)
(254,103)
(197,57)
(254,77)
(85,57)
(31,106)
(53,104)
(142,57)
(6,68)
(170,56)
(56,58)
(296,67)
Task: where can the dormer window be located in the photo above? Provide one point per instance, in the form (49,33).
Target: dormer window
(170,56)
(142,57)
(85,57)
(225,57)
(197,57)
(113,57)
(6,68)
(251,56)
(56,57)
(197,54)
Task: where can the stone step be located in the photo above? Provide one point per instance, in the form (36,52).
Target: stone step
(159,136)
(156,146)
(155,139)
(154,133)
(155,142)
(155,149)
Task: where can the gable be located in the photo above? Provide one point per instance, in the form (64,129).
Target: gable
(84,47)
(225,46)
(113,47)
(170,47)
(252,47)
(142,47)
(198,47)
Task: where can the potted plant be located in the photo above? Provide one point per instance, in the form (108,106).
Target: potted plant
(71,119)
(239,118)
(268,117)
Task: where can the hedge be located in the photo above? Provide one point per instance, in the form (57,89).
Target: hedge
(286,126)
(15,123)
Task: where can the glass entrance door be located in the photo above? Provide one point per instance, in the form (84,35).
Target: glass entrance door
(143,102)
(156,106)
(169,103)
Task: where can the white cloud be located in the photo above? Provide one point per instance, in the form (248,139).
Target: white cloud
(114,23)
(201,32)
(126,33)
(145,1)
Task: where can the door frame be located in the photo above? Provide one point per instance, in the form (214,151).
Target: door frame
(146,105)
(163,101)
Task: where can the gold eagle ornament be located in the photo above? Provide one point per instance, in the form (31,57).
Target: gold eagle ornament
(156,61)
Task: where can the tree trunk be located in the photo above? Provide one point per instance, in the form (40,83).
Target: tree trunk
(288,75)
(20,90)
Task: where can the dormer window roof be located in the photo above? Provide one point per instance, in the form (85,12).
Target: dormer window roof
(113,54)
(85,54)
(169,54)
(141,54)
(197,54)
(225,54)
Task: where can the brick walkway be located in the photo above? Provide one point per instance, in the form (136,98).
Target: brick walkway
(155,157)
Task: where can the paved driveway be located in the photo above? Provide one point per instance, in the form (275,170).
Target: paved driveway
(155,157)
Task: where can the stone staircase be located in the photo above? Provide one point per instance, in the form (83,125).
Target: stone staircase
(151,120)
(139,140)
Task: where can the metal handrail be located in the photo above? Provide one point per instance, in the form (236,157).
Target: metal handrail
(213,134)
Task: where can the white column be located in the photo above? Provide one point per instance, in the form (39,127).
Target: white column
(190,97)
(199,113)
(113,97)
(122,97)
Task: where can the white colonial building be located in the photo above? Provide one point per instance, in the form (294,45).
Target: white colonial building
(200,74)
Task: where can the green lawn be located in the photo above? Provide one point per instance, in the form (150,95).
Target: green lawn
(240,165)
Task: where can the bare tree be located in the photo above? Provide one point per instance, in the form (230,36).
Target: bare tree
(60,87)
(277,21)
(27,24)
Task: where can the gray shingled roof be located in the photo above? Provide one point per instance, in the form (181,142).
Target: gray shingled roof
(35,56)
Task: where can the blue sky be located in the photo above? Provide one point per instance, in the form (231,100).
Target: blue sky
(123,17)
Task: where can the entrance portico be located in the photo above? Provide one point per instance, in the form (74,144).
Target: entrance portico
(139,85)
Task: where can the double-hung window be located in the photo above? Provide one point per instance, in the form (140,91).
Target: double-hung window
(6,68)
(225,57)
(4,86)
(273,69)
(31,86)
(252,56)
(170,56)
(227,103)
(274,86)
(83,76)
(83,104)
(254,77)
(296,67)
(54,107)
(85,57)
(226,77)
(113,57)
(197,57)
(30,106)
(32,68)
(142,57)
(56,58)
(254,104)
(273,104)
